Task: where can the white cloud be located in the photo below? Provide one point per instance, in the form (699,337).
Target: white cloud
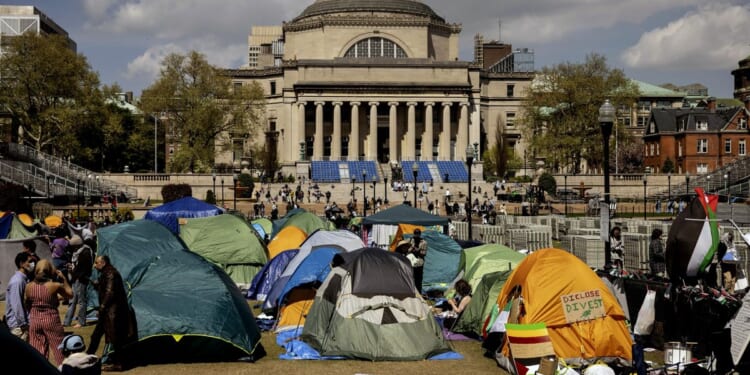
(97,8)
(148,65)
(712,37)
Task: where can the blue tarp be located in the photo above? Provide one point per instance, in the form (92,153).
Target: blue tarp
(5,224)
(269,274)
(188,207)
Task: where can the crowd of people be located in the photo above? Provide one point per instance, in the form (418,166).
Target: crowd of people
(39,286)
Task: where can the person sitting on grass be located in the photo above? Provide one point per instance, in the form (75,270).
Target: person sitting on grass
(77,361)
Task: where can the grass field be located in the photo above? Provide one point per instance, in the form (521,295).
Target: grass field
(473,363)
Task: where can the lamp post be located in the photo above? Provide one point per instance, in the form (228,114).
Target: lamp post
(414,173)
(354,179)
(364,193)
(78,197)
(565,194)
(469,161)
(708,183)
(644,196)
(234,182)
(606,121)
(222,192)
(687,184)
(385,189)
(374,183)
(213,177)
(669,187)
(48,178)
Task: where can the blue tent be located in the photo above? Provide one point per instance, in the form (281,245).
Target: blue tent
(188,207)
(443,261)
(267,276)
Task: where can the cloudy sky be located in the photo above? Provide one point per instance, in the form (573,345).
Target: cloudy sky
(657,41)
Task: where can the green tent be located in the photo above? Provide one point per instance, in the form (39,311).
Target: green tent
(369,308)
(265,225)
(484,259)
(404,214)
(484,296)
(187,309)
(229,242)
(18,230)
(305,221)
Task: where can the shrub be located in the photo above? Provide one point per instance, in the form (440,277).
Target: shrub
(246,181)
(173,192)
(210,197)
(548,183)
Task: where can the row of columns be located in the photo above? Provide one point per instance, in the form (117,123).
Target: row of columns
(409,152)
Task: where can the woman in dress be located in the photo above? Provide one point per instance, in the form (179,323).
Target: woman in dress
(42,297)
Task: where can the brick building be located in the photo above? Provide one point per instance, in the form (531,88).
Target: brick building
(696,140)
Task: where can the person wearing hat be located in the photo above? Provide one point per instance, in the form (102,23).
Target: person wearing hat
(418,248)
(82,262)
(77,361)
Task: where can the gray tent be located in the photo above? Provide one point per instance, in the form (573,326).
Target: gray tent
(8,251)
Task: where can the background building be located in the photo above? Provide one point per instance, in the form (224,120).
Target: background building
(382,82)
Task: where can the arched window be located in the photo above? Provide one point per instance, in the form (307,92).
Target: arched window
(375,47)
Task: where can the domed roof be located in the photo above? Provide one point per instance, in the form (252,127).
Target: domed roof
(413,7)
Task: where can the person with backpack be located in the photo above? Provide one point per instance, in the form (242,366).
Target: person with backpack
(82,262)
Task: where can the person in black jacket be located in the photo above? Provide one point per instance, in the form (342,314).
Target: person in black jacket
(82,262)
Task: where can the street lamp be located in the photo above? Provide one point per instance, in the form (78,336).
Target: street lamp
(213,177)
(364,193)
(234,182)
(414,173)
(687,184)
(565,194)
(48,178)
(78,197)
(374,183)
(385,189)
(644,196)
(469,161)
(354,179)
(708,183)
(606,121)
(669,187)
(222,191)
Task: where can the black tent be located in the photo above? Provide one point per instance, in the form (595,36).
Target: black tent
(404,214)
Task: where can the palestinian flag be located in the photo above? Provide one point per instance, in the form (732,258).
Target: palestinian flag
(529,342)
(693,237)
(495,322)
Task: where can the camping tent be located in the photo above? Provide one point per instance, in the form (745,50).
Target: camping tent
(442,263)
(584,320)
(229,242)
(483,297)
(289,238)
(306,221)
(484,259)
(13,227)
(368,308)
(187,309)
(263,226)
(8,251)
(169,214)
(267,276)
(404,214)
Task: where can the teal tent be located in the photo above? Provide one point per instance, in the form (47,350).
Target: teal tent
(187,309)
(229,242)
(442,263)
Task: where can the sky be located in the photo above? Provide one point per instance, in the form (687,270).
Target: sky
(655,41)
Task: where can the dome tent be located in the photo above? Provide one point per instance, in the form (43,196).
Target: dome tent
(169,214)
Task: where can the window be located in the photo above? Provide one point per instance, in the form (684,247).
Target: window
(679,149)
(728,146)
(375,47)
(743,123)
(742,151)
(663,104)
(652,127)
(625,121)
(237,85)
(702,146)
(701,168)
(701,124)
(652,149)
(510,119)
(642,121)
(273,87)
(644,106)
(510,89)
(658,149)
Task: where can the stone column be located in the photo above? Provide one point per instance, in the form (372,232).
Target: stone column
(336,137)
(392,132)
(372,139)
(354,134)
(410,153)
(318,145)
(445,136)
(427,136)
(462,138)
(301,136)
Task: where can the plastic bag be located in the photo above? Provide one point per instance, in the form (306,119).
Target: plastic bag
(646,315)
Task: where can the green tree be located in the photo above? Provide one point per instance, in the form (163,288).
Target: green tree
(548,183)
(560,116)
(49,90)
(203,108)
(668,166)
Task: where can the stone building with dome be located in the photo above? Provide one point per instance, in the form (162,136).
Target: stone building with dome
(381,82)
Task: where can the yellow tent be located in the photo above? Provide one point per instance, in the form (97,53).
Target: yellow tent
(583,318)
(26,220)
(288,238)
(53,221)
(402,230)
(294,311)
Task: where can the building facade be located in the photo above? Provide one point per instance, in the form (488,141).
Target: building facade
(696,140)
(382,81)
(742,79)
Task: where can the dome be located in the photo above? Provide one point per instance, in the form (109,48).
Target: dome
(412,7)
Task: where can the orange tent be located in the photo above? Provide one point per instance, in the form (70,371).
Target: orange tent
(53,221)
(288,238)
(25,219)
(294,311)
(402,230)
(583,318)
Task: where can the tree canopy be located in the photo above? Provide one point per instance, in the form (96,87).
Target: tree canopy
(560,116)
(49,90)
(202,109)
